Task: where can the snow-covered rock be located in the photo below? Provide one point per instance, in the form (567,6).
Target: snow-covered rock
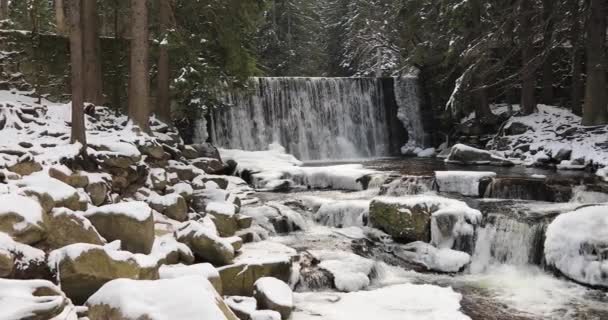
(243,307)
(465,183)
(67,227)
(21,218)
(274,294)
(82,269)
(466,155)
(351,272)
(205,243)
(169,251)
(442,260)
(20,260)
(343,214)
(34,299)
(62,194)
(257,260)
(424,218)
(130,222)
(576,244)
(186,298)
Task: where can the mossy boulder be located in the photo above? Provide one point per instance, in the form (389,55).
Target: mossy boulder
(405,222)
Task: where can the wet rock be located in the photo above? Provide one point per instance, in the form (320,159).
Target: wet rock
(82,269)
(130,222)
(529,189)
(66,227)
(274,294)
(205,245)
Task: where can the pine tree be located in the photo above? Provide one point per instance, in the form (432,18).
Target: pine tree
(93,92)
(139,110)
(163,108)
(595,110)
(76,58)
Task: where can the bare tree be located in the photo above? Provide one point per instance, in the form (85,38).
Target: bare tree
(549,29)
(91,51)
(163,108)
(595,110)
(139,110)
(3,9)
(528,78)
(76,53)
(576,91)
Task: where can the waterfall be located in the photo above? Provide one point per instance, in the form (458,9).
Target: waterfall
(313,118)
(504,240)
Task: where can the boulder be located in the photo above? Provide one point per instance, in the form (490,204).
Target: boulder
(179,298)
(516,128)
(236,242)
(210,165)
(27,262)
(66,176)
(205,243)
(21,218)
(33,300)
(403,221)
(203,150)
(184,172)
(183,189)
(83,268)
(244,221)
(564,154)
(25,168)
(257,260)
(153,150)
(98,192)
(201,198)
(172,205)
(67,227)
(274,294)
(157,179)
(265,315)
(242,307)
(466,155)
(224,216)
(130,222)
(169,251)
(7,263)
(62,194)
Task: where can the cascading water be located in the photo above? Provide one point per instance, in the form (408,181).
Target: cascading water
(504,240)
(315,118)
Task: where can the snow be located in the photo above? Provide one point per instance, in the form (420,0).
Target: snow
(206,229)
(405,301)
(580,194)
(180,298)
(137,210)
(275,290)
(443,260)
(603,173)
(265,315)
(17,299)
(575,242)
(274,167)
(351,272)
(246,305)
(24,253)
(206,270)
(465,183)
(166,244)
(264,252)
(26,208)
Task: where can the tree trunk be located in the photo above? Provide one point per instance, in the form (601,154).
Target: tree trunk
(139,110)
(163,108)
(3,9)
(595,110)
(76,53)
(62,27)
(91,50)
(576,90)
(528,101)
(548,79)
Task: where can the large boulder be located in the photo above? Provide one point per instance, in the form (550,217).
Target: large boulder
(67,227)
(205,243)
(257,260)
(466,155)
(168,251)
(224,216)
(98,192)
(184,298)
(172,205)
(33,300)
(274,294)
(210,165)
(130,222)
(26,167)
(22,218)
(82,269)
(66,176)
(7,263)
